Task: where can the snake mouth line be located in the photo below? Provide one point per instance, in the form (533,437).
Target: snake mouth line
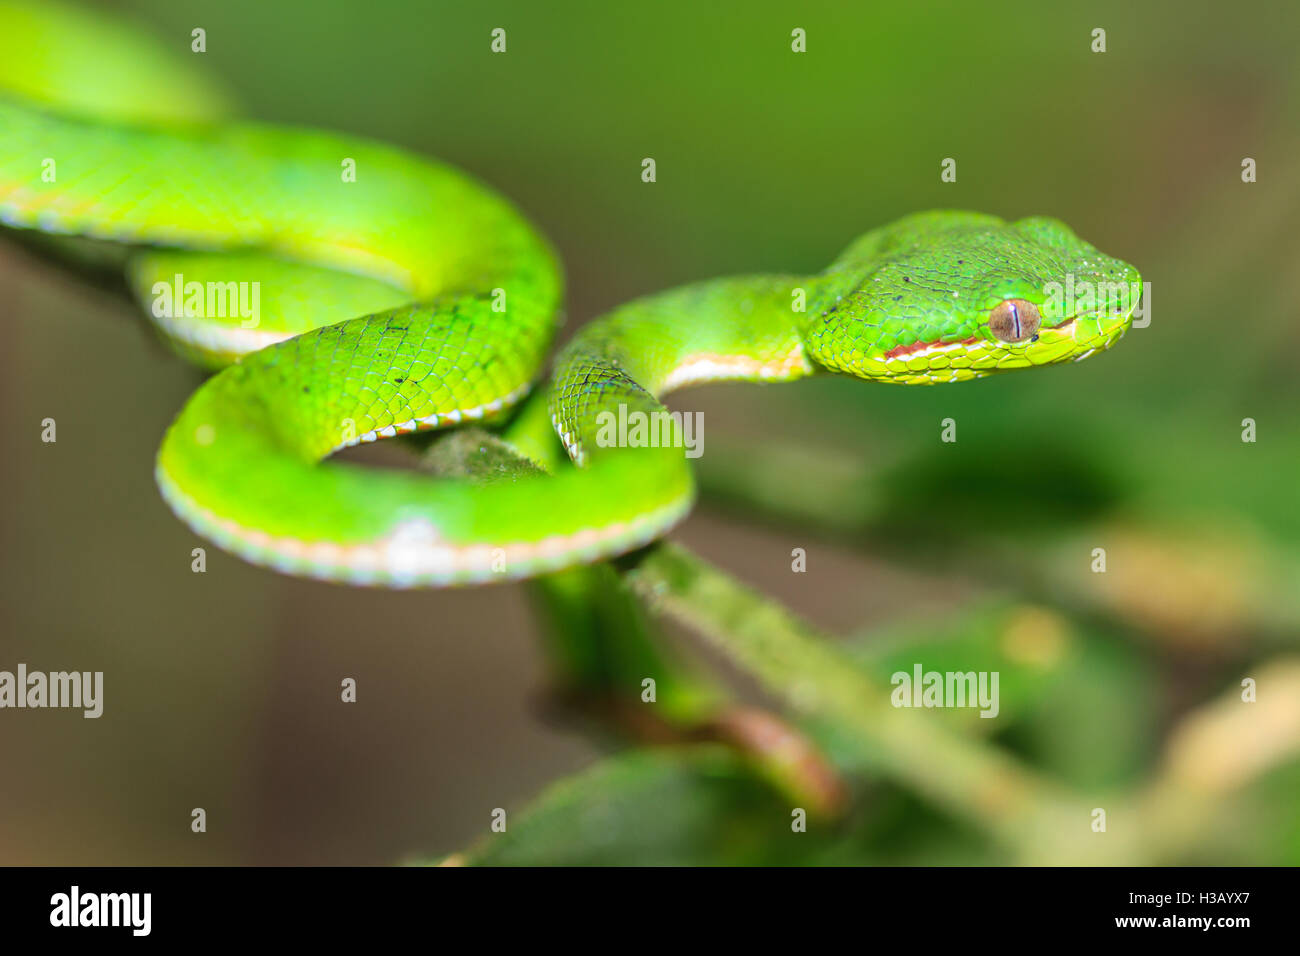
(939,346)
(1067,328)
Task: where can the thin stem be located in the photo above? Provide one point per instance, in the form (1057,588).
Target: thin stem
(1030,816)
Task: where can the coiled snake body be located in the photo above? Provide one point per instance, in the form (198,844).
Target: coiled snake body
(409,296)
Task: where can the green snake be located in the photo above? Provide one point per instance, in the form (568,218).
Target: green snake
(409,296)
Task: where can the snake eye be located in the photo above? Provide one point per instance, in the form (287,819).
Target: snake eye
(1014,320)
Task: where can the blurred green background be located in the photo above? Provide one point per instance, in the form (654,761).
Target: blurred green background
(222,688)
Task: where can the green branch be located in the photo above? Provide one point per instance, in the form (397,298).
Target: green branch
(1031,817)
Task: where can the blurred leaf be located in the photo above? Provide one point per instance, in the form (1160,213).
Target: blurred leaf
(701,805)
(1031,649)
(1050,671)
(657,807)
(1268,831)
(1097,727)
(1040,481)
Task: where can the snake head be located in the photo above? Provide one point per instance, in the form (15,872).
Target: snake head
(944,297)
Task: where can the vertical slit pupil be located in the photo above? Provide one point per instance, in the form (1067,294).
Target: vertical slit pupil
(1014,320)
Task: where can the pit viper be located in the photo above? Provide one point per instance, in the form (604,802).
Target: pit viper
(396,293)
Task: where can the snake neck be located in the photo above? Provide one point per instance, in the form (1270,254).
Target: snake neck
(733,329)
